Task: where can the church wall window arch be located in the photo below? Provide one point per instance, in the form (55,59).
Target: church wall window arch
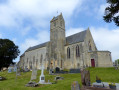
(27,60)
(89,45)
(68,53)
(77,51)
(90,48)
(41,58)
(34,60)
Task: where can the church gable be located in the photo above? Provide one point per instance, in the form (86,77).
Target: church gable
(89,43)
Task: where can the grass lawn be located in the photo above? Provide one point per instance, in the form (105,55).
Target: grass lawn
(106,74)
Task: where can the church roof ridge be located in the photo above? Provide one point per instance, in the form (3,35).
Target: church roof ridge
(76,33)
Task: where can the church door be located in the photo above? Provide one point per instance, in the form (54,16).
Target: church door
(92,62)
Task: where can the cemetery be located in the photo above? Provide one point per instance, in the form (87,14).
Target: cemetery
(43,80)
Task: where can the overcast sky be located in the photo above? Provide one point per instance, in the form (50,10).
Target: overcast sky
(27,22)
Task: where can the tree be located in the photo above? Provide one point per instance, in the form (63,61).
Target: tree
(8,52)
(117,61)
(112,12)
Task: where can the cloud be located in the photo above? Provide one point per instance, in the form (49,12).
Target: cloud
(73,31)
(101,10)
(105,39)
(13,12)
(25,30)
(41,37)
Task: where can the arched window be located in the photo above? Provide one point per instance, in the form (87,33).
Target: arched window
(89,45)
(68,52)
(41,58)
(36,62)
(30,65)
(90,49)
(77,51)
(27,60)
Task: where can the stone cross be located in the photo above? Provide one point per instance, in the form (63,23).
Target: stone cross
(42,77)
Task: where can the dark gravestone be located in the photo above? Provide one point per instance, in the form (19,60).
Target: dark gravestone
(74,71)
(63,72)
(26,69)
(31,84)
(75,86)
(57,70)
(85,77)
(50,71)
(59,78)
(2,78)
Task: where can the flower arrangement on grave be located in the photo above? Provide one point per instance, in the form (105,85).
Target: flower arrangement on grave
(112,85)
(98,80)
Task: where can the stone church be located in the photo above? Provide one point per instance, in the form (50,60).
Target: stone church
(75,51)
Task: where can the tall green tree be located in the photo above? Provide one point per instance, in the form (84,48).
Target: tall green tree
(112,12)
(8,52)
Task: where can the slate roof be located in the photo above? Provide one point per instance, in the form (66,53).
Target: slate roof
(78,37)
(37,46)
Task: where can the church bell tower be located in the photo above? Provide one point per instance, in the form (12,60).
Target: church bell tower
(57,41)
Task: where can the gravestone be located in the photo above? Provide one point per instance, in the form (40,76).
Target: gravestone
(74,71)
(2,78)
(85,77)
(42,77)
(26,69)
(34,74)
(75,86)
(31,84)
(51,71)
(57,69)
(9,70)
(59,78)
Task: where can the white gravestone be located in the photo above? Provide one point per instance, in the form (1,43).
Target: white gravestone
(42,77)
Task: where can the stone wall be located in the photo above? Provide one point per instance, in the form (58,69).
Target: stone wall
(104,59)
(73,61)
(35,58)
